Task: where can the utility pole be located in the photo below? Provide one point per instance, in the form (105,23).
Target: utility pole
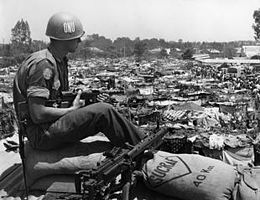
(124,49)
(3,48)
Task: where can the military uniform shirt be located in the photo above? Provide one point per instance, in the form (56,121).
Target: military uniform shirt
(41,75)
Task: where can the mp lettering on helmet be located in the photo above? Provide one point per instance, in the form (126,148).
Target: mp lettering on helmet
(69,27)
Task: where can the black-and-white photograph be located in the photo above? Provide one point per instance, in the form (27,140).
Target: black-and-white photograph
(129,100)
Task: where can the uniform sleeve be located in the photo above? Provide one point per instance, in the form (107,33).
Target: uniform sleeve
(40,79)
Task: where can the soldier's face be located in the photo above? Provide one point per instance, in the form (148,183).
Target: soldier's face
(73,44)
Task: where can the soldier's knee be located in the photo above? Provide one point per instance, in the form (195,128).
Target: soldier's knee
(104,107)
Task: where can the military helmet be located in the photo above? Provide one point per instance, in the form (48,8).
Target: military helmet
(64,26)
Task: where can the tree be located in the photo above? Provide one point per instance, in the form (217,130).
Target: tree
(21,37)
(37,45)
(100,42)
(152,43)
(124,46)
(162,43)
(111,52)
(6,50)
(187,54)
(163,53)
(229,51)
(139,49)
(256,25)
(180,41)
(83,51)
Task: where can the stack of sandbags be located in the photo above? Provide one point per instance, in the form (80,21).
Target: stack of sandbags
(79,156)
(195,177)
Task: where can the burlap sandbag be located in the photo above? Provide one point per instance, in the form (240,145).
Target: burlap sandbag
(239,156)
(141,192)
(247,186)
(189,176)
(81,155)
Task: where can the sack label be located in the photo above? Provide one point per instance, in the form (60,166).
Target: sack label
(170,168)
(201,177)
(173,167)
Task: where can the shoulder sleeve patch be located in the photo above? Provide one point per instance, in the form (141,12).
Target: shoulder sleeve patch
(47,73)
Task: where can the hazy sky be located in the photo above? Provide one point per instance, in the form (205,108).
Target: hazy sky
(190,20)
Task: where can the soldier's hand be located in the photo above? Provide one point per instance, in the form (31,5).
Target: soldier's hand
(103,97)
(78,103)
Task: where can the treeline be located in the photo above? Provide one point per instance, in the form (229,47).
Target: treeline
(20,46)
(99,46)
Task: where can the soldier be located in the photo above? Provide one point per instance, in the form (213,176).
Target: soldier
(43,75)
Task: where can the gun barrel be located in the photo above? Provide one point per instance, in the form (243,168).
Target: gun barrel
(150,142)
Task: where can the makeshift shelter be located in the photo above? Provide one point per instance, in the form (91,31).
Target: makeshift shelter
(188,106)
(232,108)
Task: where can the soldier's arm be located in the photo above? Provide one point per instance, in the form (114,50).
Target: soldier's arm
(41,114)
(39,81)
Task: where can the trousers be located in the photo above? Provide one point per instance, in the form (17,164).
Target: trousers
(84,122)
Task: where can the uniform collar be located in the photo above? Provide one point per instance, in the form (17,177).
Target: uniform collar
(56,54)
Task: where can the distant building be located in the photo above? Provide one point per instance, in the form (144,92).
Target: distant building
(95,49)
(250,51)
(214,51)
(158,50)
(200,57)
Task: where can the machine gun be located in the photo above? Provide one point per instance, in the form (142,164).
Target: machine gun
(67,97)
(102,181)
